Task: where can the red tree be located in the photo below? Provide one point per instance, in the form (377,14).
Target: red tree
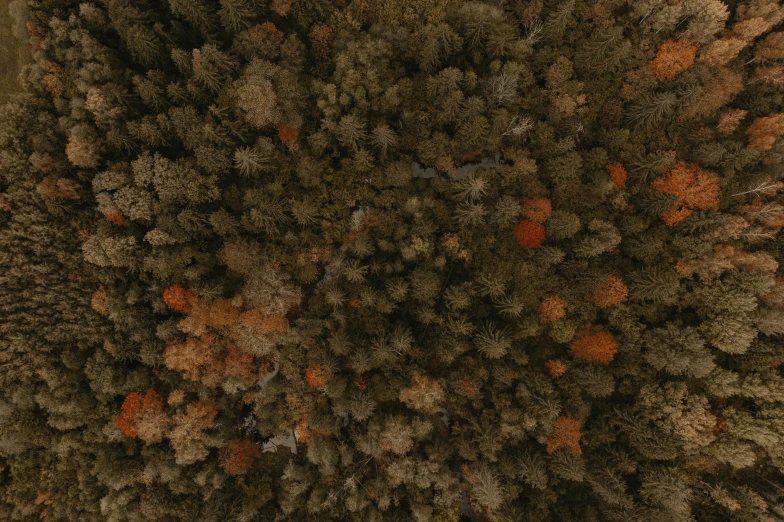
(556,367)
(566,434)
(287,134)
(316,376)
(529,234)
(618,175)
(178,298)
(237,456)
(142,416)
(595,345)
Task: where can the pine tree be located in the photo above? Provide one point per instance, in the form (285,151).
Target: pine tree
(235,15)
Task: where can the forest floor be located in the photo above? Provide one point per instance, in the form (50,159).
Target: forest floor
(13,48)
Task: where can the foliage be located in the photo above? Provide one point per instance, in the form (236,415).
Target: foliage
(529,234)
(595,345)
(393,260)
(694,187)
(673,57)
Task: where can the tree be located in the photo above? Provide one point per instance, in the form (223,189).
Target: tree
(764,131)
(694,187)
(529,234)
(396,436)
(423,394)
(595,345)
(730,120)
(618,175)
(771,48)
(486,487)
(667,488)
(188,437)
(63,188)
(678,350)
(257,96)
(142,416)
(537,210)
(612,292)
(82,152)
(492,342)
(565,433)
(552,308)
(236,457)
(177,298)
(556,368)
(316,376)
(673,57)
(321,36)
(195,12)
(236,15)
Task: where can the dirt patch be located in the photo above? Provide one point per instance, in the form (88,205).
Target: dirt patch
(14,42)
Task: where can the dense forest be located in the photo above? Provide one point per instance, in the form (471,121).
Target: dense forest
(229,292)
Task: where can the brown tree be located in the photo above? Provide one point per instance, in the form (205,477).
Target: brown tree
(673,57)
(612,292)
(82,152)
(424,394)
(595,345)
(694,187)
(764,131)
(565,434)
(552,308)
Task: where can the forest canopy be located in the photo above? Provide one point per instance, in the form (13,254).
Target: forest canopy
(230,293)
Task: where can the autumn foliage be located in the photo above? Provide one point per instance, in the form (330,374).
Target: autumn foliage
(529,234)
(115,218)
(316,376)
(143,416)
(565,434)
(764,131)
(468,387)
(52,84)
(673,57)
(237,456)
(730,120)
(127,419)
(694,187)
(51,188)
(281,7)
(612,292)
(287,134)
(556,367)
(177,298)
(303,432)
(321,36)
(100,301)
(552,308)
(537,209)
(223,341)
(618,175)
(595,345)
